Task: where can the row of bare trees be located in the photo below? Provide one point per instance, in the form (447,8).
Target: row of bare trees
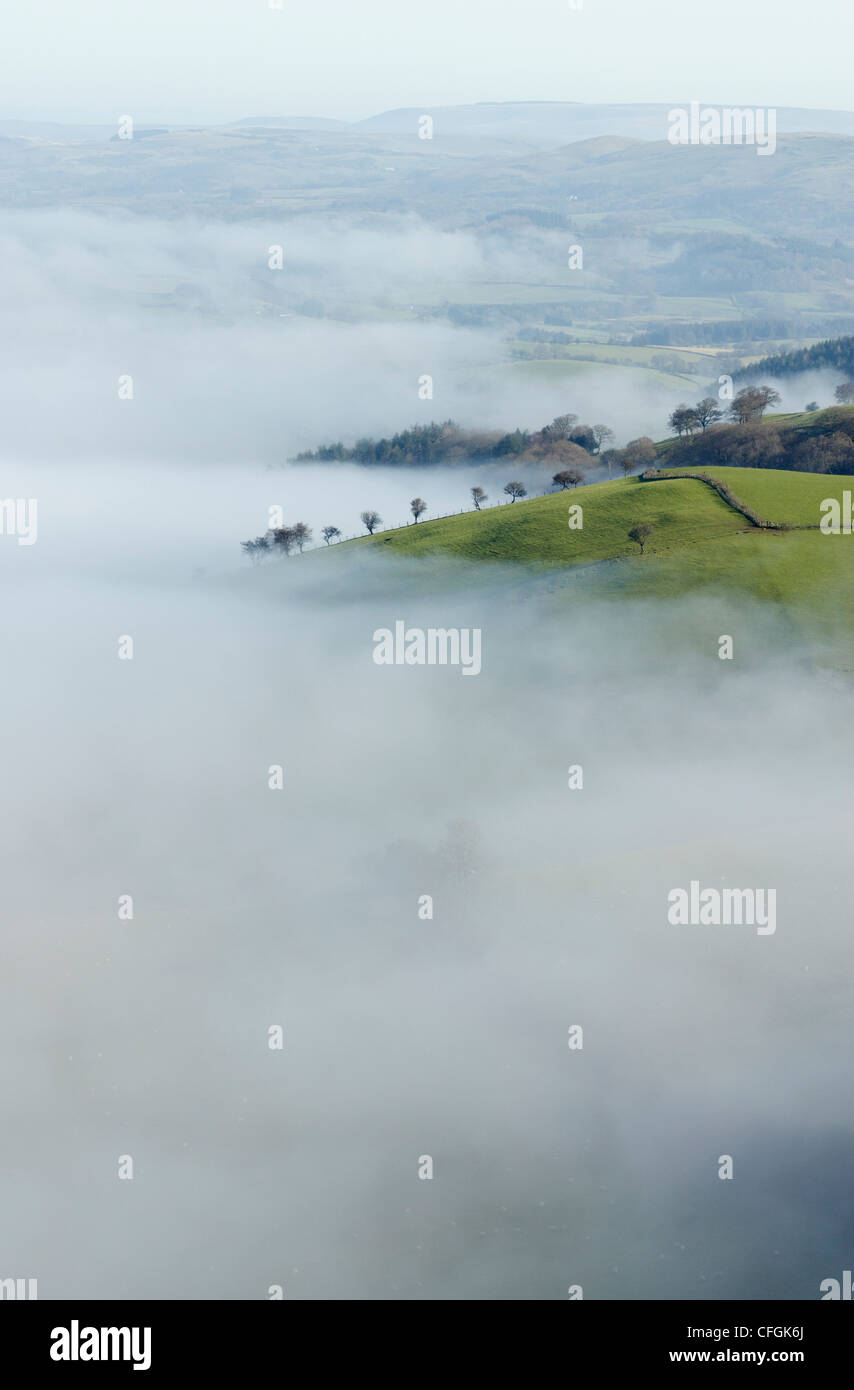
(284,539)
(749,404)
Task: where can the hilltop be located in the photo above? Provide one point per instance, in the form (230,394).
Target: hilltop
(699,543)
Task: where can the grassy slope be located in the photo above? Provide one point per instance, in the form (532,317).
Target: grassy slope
(699,544)
(537,532)
(783,496)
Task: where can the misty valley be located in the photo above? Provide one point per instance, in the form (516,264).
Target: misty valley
(330,975)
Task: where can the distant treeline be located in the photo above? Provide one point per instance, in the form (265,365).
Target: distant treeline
(836,353)
(563,441)
(545,335)
(721,333)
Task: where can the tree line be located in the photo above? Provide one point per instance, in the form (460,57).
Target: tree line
(748,441)
(447,442)
(723,332)
(750,403)
(560,442)
(836,353)
(283,540)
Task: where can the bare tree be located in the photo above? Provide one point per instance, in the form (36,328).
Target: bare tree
(584,437)
(283,539)
(515,490)
(568,477)
(329,533)
(751,402)
(603,435)
(844,393)
(560,426)
(478,496)
(256,549)
(302,534)
(370,521)
(639,453)
(707,412)
(641,533)
(683,420)
(417,506)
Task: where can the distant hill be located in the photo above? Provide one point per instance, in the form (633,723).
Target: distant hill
(527,123)
(670,235)
(292,122)
(561,122)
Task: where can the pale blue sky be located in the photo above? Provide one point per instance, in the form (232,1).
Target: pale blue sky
(218,60)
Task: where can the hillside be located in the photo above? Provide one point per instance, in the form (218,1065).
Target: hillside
(786,498)
(684,511)
(536,532)
(835,354)
(699,544)
(671,236)
(559,122)
(818,441)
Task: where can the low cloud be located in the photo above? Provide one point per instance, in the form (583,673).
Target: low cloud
(407,1037)
(227,360)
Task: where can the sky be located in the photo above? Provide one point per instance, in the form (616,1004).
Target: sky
(220,60)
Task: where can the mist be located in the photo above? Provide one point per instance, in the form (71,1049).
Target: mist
(228,826)
(404,1037)
(234,368)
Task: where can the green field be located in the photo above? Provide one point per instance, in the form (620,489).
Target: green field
(536,531)
(611,353)
(792,499)
(564,368)
(699,544)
